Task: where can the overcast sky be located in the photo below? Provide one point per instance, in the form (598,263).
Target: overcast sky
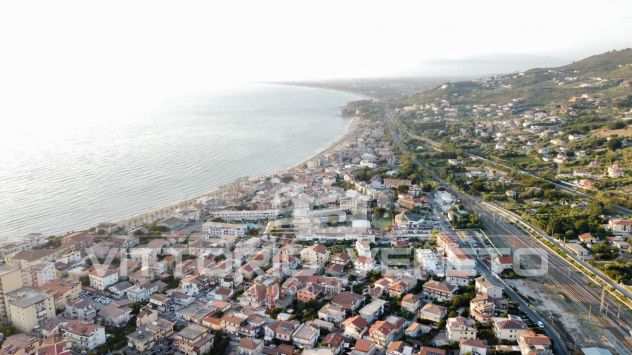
(78,46)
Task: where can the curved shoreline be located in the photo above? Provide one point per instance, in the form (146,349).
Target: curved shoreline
(347,134)
(207,187)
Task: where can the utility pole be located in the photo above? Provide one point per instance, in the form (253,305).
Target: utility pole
(589,311)
(619,311)
(603,296)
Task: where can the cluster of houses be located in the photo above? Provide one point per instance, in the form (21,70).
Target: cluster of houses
(284,264)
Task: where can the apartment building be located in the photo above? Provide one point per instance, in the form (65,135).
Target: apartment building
(10,280)
(28,307)
(194,340)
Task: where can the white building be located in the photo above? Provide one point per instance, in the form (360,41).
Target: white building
(460,328)
(316,255)
(373,310)
(429,261)
(620,226)
(84,335)
(484,286)
(218,229)
(41,273)
(102,277)
(508,328)
(246,215)
(615,171)
(363,247)
(444,199)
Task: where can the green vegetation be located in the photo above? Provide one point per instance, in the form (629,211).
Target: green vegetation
(220,344)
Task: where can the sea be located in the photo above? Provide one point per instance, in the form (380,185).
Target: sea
(66,173)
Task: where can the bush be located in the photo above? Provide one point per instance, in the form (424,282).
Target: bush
(616,125)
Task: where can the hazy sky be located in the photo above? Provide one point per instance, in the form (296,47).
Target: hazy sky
(114,47)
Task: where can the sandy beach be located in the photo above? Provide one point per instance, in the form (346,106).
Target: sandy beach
(352,127)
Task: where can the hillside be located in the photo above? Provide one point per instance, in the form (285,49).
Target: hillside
(607,76)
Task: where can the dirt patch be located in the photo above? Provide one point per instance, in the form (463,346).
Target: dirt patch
(605,133)
(551,302)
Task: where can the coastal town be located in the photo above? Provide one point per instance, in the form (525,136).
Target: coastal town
(314,260)
(397,240)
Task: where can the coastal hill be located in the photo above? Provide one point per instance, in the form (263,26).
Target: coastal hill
(608,75)
(570,124)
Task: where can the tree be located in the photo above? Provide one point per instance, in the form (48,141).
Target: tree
(7,329)
(406,164)
(85,280)
(615,144)
(616,125)
(604,251)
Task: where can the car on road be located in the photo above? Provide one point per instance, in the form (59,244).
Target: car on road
(540,324)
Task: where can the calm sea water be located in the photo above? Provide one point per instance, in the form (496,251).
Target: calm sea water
(65,174)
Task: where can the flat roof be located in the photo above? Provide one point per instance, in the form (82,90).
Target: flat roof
(26,297)
(192,331)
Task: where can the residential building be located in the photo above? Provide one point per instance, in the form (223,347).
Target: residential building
(460,328)
(193,340)
(39,274)
(620,226)
(281,330)
(363,248)
(20,344)
(482,308)
(334,342)
(364,264)
(316,255)
(101,277)
(531,343)
(245,215)
(438,290)
(426,350)
(502,263)
(332,313)
(28,307)
(383,332)
(81,309)
(10,280)
(84,335)
(484,286)
(472,347)
(373,310)
(250,346)
(398,348)
(220,230)
(508,328)
(348,301)
(411,303)
(433,312)
(115,315)
(579,251)
(142,340)
(63,291)
(364,347)
(355,327)
(305,336)
(615,171)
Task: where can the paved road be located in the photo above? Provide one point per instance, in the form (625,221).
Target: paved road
(559,346)
(574,284)
(567,279)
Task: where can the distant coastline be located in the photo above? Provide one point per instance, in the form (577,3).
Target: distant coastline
(349,125)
